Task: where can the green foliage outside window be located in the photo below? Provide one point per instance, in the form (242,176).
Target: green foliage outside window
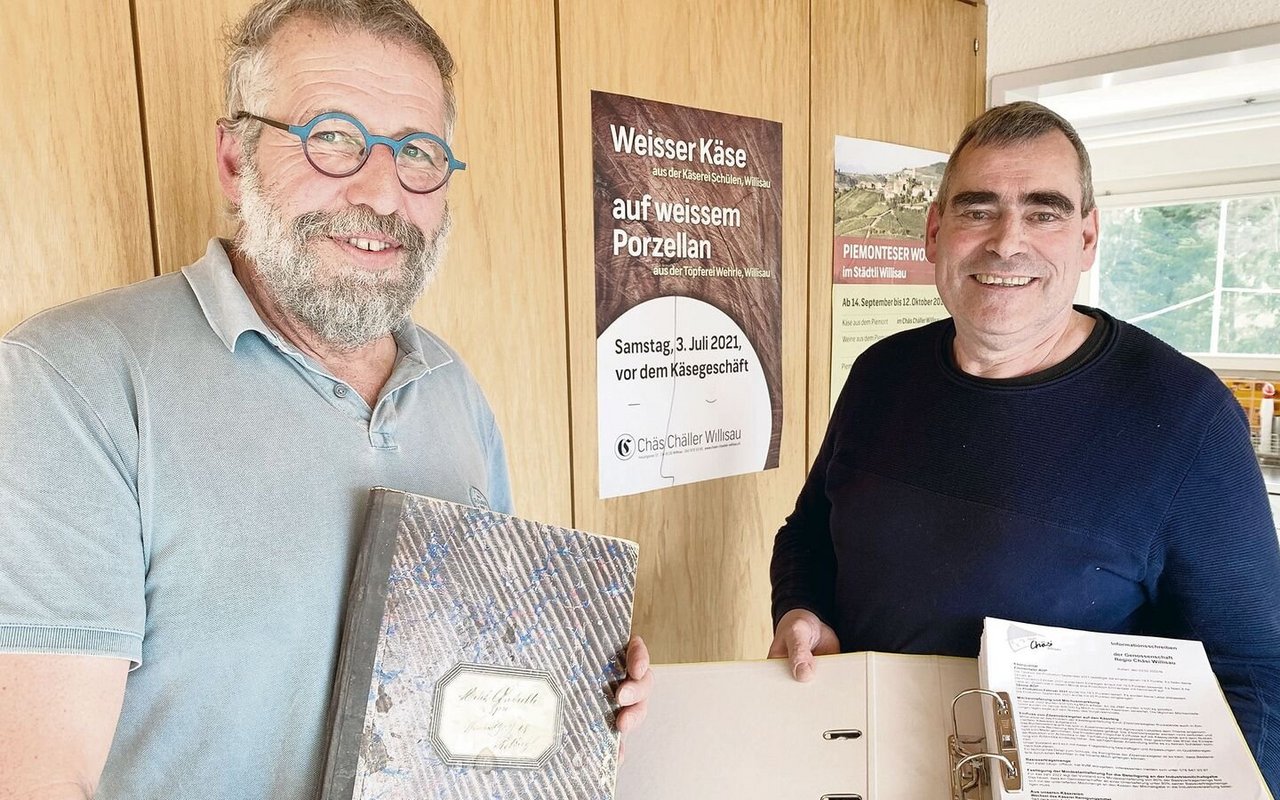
(1159,268)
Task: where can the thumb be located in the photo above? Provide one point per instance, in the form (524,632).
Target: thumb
(800,653)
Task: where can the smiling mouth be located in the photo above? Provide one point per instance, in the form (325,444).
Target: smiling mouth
(368,245)
(1003,280)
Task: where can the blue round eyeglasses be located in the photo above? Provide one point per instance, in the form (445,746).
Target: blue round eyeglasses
(338,145)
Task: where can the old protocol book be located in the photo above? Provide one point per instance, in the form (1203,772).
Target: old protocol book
(479,654)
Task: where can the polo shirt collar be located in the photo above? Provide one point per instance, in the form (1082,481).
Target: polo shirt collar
(222,299)
(419,345)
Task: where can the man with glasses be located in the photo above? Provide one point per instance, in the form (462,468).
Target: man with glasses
(186,459)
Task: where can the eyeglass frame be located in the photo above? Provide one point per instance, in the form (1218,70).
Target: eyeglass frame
(370,140)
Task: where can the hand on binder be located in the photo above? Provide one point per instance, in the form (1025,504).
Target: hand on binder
(799,637)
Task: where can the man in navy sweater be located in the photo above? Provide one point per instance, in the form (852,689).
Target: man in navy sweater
(1031,459)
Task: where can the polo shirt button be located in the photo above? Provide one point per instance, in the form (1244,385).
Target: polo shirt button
(340,390)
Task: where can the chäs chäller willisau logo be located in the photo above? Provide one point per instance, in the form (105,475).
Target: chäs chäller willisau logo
(1026,639)
(625,447)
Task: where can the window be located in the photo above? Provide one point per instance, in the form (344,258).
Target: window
(1203,276)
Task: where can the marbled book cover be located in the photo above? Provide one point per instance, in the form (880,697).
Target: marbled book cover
(479,657)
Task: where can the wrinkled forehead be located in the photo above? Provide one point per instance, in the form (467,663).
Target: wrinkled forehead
(388,85)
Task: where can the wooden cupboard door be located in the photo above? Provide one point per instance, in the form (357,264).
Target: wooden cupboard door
(704,547)
(910,72)
(73,202)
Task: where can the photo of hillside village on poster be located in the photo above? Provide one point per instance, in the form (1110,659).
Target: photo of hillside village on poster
(881,281)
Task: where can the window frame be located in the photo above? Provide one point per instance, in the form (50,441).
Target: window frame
(1090,283)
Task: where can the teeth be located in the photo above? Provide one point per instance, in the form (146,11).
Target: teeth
(1005,280)
(368,244)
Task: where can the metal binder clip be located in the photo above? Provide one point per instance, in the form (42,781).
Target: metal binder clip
(969,770)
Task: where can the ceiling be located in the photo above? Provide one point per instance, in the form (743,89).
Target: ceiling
(1197,112)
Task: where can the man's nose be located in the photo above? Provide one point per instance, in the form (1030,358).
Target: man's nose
(377,184)
(1007,236)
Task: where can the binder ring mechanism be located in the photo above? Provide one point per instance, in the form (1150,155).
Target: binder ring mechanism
(970,770)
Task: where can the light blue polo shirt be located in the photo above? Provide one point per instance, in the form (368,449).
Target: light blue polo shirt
(181,487)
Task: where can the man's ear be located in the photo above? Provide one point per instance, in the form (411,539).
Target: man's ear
(932,222)
(228,153)
(1089,239)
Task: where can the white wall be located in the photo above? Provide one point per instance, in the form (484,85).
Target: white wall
(1023,34)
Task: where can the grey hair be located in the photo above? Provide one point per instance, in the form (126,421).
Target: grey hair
(248,79)
(1013,124)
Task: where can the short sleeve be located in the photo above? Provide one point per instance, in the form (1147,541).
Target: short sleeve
(72,567)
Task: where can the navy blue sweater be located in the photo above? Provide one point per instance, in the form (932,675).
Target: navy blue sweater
(1120,494)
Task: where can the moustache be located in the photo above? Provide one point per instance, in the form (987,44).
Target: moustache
(359,220)
(1000,266)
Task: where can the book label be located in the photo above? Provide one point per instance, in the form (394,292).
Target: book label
(491,716)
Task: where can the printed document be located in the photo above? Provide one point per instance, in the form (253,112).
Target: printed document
(1109,717)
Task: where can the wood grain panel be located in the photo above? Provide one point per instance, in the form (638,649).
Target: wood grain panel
(704,585)
(180,55)
(903,72)
(73,203)
(500,298)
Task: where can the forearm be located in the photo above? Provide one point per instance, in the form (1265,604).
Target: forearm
(1220,581)
(57,790)
(58,715)
(1252,688)
(802,572)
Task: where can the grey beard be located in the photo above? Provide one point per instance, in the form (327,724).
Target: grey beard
(352,308)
